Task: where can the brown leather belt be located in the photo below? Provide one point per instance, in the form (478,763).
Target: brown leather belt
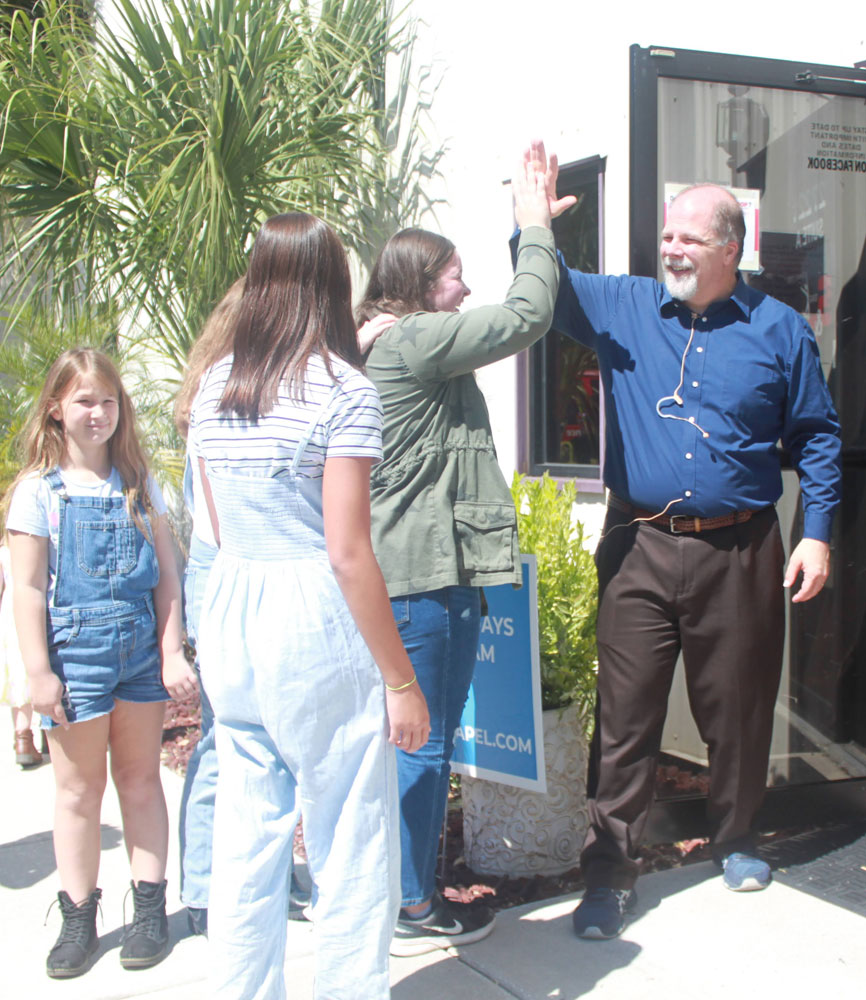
(678,524)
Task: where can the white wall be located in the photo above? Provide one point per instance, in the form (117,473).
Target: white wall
(560,71)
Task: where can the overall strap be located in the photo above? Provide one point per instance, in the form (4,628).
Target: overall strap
(56,483)
(59,487)
(308,433)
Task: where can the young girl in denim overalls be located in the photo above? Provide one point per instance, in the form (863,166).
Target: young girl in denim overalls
(97,608)
(296,632)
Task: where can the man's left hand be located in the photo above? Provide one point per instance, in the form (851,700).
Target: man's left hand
(811,558)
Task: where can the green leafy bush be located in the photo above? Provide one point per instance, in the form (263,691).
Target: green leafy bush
(567,591)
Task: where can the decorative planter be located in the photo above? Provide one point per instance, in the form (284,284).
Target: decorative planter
(510,831)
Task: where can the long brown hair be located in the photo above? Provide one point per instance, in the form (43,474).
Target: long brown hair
(296,302)
(213,344)
(45,437)
(405,272)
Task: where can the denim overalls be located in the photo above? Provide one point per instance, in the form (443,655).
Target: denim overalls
(300,713)
(101,625)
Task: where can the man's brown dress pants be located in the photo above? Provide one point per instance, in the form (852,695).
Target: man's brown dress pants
(718,596)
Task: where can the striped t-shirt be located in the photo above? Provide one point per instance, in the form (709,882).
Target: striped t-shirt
(350,425)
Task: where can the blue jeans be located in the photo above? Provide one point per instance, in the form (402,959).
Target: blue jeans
(199,789)
(440,630)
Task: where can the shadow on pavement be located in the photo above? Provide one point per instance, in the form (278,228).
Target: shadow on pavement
(30,859)
(814,844)
(512,958)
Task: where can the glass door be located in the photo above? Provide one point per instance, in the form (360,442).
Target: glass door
(796,137)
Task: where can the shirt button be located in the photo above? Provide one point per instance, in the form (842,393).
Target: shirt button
(695,385)
(688,454)
(688,493)
(703,319)
(700,350)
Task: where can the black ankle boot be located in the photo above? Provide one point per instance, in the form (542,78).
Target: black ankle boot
(74,949)
(146,940)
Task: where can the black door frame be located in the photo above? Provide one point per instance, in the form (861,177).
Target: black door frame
(647,66)
(795,804)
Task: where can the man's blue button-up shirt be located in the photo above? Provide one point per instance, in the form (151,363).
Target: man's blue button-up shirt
(750,378)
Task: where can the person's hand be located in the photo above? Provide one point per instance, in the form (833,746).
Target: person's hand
(373,329)
(178,677)
(530,196)
(408,718)
(535,158)
(811,558)
(46,696)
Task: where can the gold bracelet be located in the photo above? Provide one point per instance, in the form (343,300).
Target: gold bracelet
(402,687)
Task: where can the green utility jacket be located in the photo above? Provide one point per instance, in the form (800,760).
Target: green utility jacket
(441,508)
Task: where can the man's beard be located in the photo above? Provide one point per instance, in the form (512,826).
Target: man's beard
(682,285)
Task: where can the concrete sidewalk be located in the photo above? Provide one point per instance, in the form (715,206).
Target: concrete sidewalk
(691,940)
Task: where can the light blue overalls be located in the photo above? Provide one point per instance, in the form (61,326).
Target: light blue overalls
(300,712)
(198,801)
(101,625)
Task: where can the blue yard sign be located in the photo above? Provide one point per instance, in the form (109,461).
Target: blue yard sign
(500,736)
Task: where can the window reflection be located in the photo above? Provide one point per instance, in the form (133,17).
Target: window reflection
(566,417)
(806,152)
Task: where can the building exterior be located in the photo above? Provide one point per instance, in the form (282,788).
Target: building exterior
(634,98)
(562,72)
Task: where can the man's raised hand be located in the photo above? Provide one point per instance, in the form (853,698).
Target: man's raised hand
(535,159)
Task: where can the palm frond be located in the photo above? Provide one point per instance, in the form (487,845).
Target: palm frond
(138,159)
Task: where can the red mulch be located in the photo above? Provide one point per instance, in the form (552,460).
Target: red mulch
(181,733)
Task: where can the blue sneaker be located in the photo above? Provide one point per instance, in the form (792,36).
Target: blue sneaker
(745,873)
(601,912)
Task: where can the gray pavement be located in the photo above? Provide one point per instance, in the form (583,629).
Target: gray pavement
(690,939)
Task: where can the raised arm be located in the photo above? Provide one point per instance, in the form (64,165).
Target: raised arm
(437,346)
(529,190)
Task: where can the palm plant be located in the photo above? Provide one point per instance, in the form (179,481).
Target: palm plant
(139,157)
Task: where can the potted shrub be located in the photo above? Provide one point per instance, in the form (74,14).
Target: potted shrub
(510,831)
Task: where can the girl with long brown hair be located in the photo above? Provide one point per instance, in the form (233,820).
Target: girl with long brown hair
(304,668)
(97,609)
(443,521)
(199,791)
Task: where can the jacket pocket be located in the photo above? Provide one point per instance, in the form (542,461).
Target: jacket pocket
(485,535)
